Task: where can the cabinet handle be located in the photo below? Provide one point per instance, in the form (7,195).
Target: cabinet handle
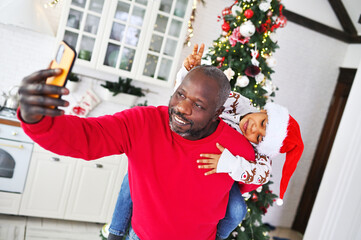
(98,165)
(11,145)
(55,159)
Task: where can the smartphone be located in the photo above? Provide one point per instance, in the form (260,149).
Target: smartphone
(64,59)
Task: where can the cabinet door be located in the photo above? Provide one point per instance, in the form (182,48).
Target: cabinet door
(48,185)
(92,190)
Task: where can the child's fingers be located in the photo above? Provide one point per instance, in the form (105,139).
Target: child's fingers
(220,147)
(205,160)
(208,155)
(206,166)
(201,50)
(195,49)
(210,172)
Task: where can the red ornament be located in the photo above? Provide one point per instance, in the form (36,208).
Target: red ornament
(226,27)
(226,11)
(281,21)
(248,13)
(252,71)
(264,210)
(254,197)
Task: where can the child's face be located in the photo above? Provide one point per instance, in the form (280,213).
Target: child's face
(253,126)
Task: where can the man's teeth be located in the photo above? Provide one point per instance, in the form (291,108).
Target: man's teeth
(179,120)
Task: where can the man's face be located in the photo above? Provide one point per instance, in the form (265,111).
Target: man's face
(192,108)
(253,126)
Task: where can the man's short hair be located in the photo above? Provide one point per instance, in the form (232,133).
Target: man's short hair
(220,78)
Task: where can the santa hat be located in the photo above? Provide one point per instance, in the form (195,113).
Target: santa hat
(282,136)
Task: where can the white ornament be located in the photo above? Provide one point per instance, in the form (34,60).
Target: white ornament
(247,29)
(236,8)
(259,189)
(269,87)
(243,229)
(246,196)
(259,78)
(279,202)
(273,37)
(271,62)
(264,6)
(254,54)
(242,81)
(234,234)
(229,73)
(224,33)
(219,59)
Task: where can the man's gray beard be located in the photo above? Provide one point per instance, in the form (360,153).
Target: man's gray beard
(189,132)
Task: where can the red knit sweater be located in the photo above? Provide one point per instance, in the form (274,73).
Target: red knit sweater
(172,198)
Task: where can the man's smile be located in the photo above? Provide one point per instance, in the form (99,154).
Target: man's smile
(179,120)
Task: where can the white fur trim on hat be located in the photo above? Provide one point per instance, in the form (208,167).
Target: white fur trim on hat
(276,130)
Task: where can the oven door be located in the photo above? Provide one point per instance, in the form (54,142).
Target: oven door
(14,164)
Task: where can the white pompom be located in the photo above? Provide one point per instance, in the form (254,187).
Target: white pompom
(279,202)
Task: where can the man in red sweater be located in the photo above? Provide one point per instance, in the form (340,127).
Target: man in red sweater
(172,198)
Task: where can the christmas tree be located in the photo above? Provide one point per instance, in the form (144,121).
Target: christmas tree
(244,51)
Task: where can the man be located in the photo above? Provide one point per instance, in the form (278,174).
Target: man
(172,199)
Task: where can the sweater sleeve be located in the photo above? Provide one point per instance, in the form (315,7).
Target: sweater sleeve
(180,76)
(86,138)
(242,170)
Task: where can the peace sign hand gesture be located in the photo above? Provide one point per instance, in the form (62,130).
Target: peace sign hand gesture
(195,58)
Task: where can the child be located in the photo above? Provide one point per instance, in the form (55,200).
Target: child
(255,126)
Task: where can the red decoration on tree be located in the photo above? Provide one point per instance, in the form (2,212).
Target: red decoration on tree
(252,71)
(226,11)
(254,197)
(248,13)
(264,210)
(225,26)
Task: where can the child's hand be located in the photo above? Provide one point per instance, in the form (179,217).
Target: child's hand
(195,58)
(212,160)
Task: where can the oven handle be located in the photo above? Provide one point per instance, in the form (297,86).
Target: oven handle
(13,146)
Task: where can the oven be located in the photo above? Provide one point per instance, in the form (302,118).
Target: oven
(15,153)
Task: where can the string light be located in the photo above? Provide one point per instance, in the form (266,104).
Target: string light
(187,41)
(51,4)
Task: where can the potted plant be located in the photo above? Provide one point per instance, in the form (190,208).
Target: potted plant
(122,92)
(73,81)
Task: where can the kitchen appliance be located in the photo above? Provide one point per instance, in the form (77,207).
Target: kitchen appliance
(15,153)
(10,99)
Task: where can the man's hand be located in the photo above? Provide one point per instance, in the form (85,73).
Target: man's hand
(195,58)
(211,161)
(35,102)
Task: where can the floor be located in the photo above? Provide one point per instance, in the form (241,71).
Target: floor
(30,228)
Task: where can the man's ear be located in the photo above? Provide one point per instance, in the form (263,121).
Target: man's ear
(218,112)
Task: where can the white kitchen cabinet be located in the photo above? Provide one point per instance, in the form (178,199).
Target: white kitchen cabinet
(92,189)
(74,189)
(48,185)
(138,39)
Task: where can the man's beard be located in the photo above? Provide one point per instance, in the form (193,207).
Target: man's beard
(194,133)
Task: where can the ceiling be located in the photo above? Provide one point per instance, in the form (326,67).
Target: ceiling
(329,12)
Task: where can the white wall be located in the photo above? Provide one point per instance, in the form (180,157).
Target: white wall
(317,10)
(337,210)
(306,74)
